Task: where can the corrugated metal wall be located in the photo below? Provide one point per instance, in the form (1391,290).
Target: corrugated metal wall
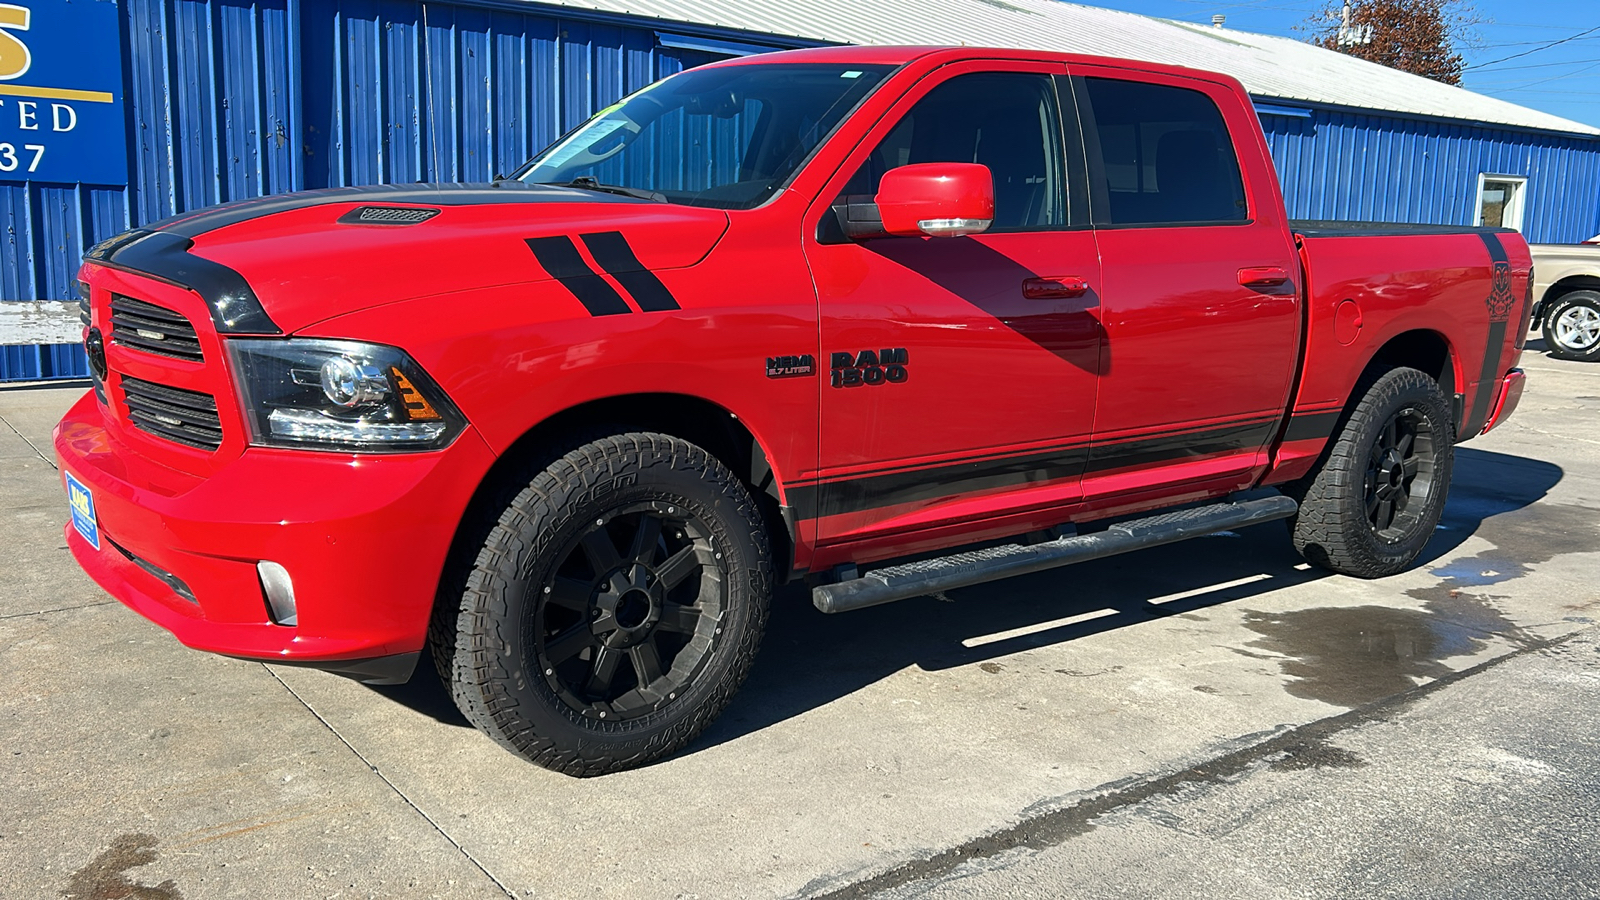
(1338,165)
(228,99)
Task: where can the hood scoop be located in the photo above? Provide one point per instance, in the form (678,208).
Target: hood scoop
(387,215)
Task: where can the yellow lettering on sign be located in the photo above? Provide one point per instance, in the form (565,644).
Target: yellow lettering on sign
(15,59)
(80,502)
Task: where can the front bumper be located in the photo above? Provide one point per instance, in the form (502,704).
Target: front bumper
(364,538)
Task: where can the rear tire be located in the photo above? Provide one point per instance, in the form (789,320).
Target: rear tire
(1372,504)
(1572,327)
(614,608)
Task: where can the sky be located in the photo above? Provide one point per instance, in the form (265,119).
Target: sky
(1561,79)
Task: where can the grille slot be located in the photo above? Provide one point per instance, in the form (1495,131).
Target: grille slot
(185,417)
(83,303)
(153,329)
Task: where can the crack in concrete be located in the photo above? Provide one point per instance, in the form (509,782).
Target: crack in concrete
(392,786)
(1061,825)
(37,452)
(40,612)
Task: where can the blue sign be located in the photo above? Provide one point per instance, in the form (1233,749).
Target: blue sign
(82,504)
(61,92)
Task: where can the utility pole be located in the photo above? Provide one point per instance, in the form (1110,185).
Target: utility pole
(1352,35)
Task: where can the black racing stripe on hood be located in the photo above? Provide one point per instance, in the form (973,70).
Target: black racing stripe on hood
(194,224)
(235,308)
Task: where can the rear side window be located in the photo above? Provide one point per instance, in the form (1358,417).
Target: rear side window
(1165,154)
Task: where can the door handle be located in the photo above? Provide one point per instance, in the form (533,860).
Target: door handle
(1263,276)
(1054,287)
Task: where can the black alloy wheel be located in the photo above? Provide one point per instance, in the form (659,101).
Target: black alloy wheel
(1370,505)
(630,614)
(1399,474)
(604,613)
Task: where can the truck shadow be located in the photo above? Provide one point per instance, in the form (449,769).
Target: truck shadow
(810,659)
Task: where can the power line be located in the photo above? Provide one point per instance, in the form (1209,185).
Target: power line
(1545,46)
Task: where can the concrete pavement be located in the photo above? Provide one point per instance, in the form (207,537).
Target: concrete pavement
(870,752)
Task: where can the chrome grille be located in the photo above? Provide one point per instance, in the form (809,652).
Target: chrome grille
(185,417)
(153,329)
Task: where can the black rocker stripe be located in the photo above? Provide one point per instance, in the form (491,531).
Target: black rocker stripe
(890,489)
(1312,426)
(559,256)
(877,491)
(1491,355)
(1167,448)
(610,249)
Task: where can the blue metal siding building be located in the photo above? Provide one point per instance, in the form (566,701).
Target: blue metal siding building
(229,99)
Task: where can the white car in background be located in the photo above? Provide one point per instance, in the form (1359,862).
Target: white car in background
(1566,292)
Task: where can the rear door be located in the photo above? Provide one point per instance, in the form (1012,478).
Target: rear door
(1200,301)
(960,372)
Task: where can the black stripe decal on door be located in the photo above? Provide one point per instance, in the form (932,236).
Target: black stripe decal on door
(559,256)
(610,249)
(879,490)
(1499,302)
(1171,448)
(1311,426)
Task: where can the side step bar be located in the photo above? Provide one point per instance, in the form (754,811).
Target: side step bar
(916,579)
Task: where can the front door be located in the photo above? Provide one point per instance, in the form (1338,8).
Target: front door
(959,373)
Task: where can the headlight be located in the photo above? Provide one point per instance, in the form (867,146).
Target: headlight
(339,395)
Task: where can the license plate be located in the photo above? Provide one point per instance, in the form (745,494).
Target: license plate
(83,518)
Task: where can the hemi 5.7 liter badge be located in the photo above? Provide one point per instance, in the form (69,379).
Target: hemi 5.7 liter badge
(790,366)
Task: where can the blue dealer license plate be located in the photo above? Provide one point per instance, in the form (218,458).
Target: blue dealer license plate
(83,518)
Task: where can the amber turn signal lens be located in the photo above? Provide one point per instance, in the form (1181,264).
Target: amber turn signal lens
(417,406)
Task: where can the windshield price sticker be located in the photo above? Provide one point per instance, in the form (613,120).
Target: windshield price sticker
(61,93)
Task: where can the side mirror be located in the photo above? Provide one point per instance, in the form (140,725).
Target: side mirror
(936,199)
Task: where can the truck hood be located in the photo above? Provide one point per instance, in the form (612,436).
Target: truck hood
(280,264)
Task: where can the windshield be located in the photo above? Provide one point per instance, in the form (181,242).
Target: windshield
(726,137)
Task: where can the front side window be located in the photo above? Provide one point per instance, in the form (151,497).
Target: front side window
(1008,121)
(1166,155)
(726,137)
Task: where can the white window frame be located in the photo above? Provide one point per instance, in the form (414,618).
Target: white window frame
(1514,205)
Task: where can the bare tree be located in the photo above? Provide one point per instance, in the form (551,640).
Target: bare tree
(1417,36)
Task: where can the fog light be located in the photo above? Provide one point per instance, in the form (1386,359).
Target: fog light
(279,588)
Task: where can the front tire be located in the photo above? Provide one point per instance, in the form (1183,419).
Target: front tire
(1572,327)
(1372,504)
(614,608)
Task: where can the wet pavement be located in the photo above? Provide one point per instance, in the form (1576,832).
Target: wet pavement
(1212,718)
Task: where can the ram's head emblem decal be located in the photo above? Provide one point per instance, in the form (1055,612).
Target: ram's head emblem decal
(1500,297)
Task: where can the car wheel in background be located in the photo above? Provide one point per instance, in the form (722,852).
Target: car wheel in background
(1572,327)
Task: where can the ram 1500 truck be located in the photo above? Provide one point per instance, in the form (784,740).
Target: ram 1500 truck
(803,315)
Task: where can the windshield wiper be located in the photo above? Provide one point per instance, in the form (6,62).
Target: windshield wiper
(588,183)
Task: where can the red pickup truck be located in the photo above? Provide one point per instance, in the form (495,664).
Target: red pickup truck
(793,316)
